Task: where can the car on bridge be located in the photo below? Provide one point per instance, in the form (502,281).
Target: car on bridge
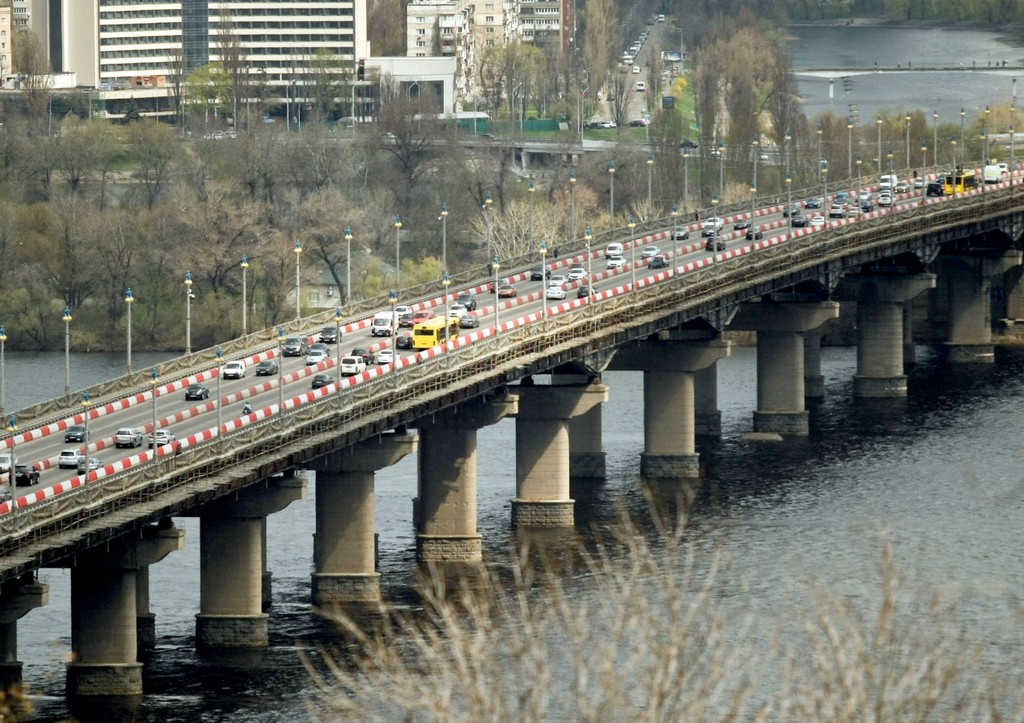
(884,198)
(658,262)
(817,221)
(69,458)
(583,291)
(457,311)
(554,291)
(681,233)
(321,380)
(296,346)
(714,243)
(316,356)
(363,353)
(539,273)
(90,464)
(648,251)
(162,437)
(741,225)
(792,210)
(352,365)
(616,262)
(798,220)
(329,335)
(577,272)
(614,249)
(421,316)
(128,437)
(507,291)
(711,226)
(234,369)
(267,368)
(837,210)
(754,233)
(901,187)
(812,203)
(197,391)
(404,341)
(468,300)
(75,433)
(384,356)
(468,321)
(25,475)
(406,320)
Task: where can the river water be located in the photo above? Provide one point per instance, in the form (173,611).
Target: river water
(938,475)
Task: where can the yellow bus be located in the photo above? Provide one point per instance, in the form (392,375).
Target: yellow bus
(430,333)
(962,182)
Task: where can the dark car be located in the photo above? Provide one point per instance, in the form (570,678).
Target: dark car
(364,353)
(25,475)
(197,391)
(800,221)
(296,346)
(742,225)
(406,320)
(658,262)
(688,144)
(321,380)
(329,335)
(469,321)
(403,341)
(867,206)
(75,433)
(790,211)
(539,273)
(934,189)
(583,291)
(812,203)
(754,233)
(267,368)
(714,244)
(467,300)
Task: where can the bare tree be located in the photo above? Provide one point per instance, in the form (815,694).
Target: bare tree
(33,67)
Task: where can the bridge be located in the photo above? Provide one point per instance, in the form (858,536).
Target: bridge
(537,359)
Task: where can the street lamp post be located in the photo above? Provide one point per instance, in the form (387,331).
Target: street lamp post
(67,350)
(348,265)
(714,226)
(544,273)
(280,368)
(496,265)
(935,137)
(611,194)
(859,209)
(220,399)
(393,297)
(952,148)
(85,419)
(446,281)
(398,251)
(588,237)
(153,379)
(889,154)
(337,335)
(789,204)
(824,195)
(188,313)
(721,169)
(985,136)
(650,168)
(3,374)
(129,300)
(488,202)
(12,427)
(530,190)
(849,146)
(924,155)
(753,184)
(444,237)
(572,205)
(686,178)
(298,288)
(878,123)
(675,228)
(632,253)
(963,138)
(245,296)
(819,145)
(907,119)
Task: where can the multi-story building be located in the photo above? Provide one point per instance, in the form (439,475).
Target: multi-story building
(547,23)
(6,36)
(442,29)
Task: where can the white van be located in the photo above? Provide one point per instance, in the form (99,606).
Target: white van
(614,250)
(888,182)
(383,324)
(996,173)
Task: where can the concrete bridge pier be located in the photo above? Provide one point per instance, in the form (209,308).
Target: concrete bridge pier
(105,613)
(707,415)
(780,327)
(231,563)
(969,282)
(881,342)
(447,502)
(670,363)
(17,598)
(542,450)
(344,546)
(158,540)
(586,454)
(814,381)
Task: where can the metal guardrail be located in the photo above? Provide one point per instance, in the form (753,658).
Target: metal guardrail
(49,529)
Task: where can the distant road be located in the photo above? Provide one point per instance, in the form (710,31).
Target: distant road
(908,69)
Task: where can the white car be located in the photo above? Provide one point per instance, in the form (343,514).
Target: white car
(384,356)
(315,356)
(68,458)
(457,311)
(884,199)
(577,273)
(163,436)
(7,460)
(615,262)
(399,310)
(613,249)
(711,226)
(555,292)
(649,251)
(233,369)
(128,437)
(351,365)
(558,280)
(817,221)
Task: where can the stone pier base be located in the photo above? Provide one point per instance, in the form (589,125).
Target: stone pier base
(330,589)
(669,466)
(788,424)
(880,386)
(449,548)
(542,513)
(122,679)
(232,631)
(970,353)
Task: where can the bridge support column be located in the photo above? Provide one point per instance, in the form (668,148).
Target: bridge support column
(17,598)
(542,450)
(586,455)
(909,347)
(344,547)
(669,364)
(814,381)
(707,417)
(448,480)
(969,279)
(781,326)
(231,564)
(105,613)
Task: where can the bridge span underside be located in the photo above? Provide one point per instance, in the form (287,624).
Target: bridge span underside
(548,376)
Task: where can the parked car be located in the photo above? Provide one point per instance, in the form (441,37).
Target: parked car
(68,458)
(682,233)
(25,475)
(329,335)
(316,356)
(554,292)
(754,233)
(90,464)
(363,353)
(507,291)
(658,262)
(468,300)
(404,341)
(352,365)
(321,380)
(197,391)
(234,369)
(714,243)
(296,346)
(468,321)
(75,433)
(162,437)
(128,437)
(648,251)
(384,356)
(267,368)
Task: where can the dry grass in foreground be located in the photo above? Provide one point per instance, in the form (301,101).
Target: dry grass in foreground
(638,633)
